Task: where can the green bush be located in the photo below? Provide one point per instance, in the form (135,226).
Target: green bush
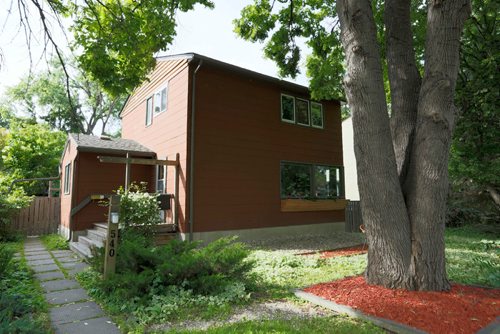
(6,254)
(55,242)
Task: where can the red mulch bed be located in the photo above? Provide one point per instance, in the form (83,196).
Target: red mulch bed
(348,251)
(463,310)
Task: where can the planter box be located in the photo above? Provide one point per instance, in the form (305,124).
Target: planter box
(304,205)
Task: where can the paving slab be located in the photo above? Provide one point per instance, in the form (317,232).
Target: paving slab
(66,259)
(74,265)
(45,267)
(39,262)
(50,275)
(34,249)
(66,296)
(78,269)
(57,285)
(38,257)
(62,253)
(75,312)
(91,326)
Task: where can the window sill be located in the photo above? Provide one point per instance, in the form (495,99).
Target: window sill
(304,205)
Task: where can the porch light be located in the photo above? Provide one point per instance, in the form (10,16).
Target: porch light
(115,217)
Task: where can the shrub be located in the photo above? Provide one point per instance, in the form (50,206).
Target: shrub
(55,242)
(6,255)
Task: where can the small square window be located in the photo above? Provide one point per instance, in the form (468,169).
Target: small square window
(287,108)
(149,111)
(302,112)
(316,115)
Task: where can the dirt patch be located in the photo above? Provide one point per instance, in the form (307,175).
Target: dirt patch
(462,310)
(347,251)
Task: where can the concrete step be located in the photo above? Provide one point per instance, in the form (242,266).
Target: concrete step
(97,235)
(101,227)
(80,249)
(90,242)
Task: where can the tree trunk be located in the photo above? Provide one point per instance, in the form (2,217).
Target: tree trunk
(427,182)
(404,80)
(495,196)
(382,203)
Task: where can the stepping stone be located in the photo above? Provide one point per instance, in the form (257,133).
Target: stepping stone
(62,253)
(74,265)
(79,267)
(39,262)
(75,312)
(57,285)
(91,326)
(44,268)
(36,253)
(51,275)
(34,249)
(66,296)
(67,259)
(38,257)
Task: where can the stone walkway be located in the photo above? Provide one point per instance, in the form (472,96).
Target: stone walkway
(71,310)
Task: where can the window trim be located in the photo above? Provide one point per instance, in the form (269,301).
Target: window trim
(159,92)
(322,115)
(67,179)
(281,103)
(149,111)
(312,166)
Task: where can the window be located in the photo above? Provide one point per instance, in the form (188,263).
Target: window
(310,181)
(67,178)
(287,108)
(160,179)
(302,110)
(316,115)
(160,101)
(149,111)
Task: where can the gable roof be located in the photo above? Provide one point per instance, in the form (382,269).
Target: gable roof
(95,144)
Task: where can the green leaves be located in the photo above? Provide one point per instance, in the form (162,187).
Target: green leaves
(118,38)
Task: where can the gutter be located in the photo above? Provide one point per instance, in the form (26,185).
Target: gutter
(191,153)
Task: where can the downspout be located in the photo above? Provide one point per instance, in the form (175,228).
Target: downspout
(191,153)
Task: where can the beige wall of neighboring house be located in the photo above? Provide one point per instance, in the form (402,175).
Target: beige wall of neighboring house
(350,171)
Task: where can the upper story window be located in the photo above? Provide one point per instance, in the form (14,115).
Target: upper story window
(67,178)
(308,181)
(301,111)
(160,100)
(149,111)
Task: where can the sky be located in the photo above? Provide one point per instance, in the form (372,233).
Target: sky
(204,31)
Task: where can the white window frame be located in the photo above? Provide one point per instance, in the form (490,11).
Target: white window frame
(149,111)
(281,104)
(158,99)
(164,179)
(322,115)
(67,179)
(308,112)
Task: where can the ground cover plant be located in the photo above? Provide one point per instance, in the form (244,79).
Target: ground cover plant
(55,242)
(22,306)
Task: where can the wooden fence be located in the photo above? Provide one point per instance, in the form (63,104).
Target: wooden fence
(41,217)
(353,218)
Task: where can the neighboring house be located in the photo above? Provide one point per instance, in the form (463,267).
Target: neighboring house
(351,172)
(258,157)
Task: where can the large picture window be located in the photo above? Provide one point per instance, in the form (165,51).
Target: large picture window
(67,178)
(287,108)
(308,181)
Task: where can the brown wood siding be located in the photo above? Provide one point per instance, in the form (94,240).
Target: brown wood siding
(240,141)
(94,177)
(69,156)
(167,135)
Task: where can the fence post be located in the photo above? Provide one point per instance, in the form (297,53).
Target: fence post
(112,237)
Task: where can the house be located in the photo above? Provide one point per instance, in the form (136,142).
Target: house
(257,157)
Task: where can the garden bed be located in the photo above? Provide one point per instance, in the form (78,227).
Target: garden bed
(464,309)
(347,251)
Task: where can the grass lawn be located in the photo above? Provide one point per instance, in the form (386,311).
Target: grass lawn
(23,308)
(472,258)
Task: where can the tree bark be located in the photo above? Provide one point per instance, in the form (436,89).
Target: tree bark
(404,80)
(427,181)
(384,212)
